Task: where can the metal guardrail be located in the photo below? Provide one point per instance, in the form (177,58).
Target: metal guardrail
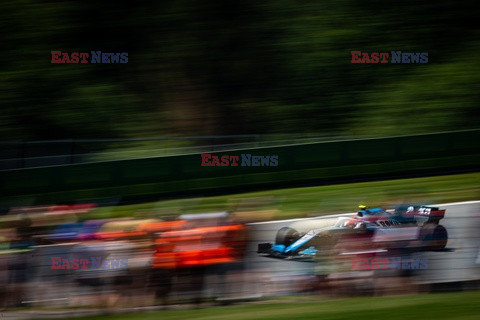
(318,162)
(33,154)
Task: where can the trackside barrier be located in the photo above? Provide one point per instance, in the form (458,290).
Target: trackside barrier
(326,162)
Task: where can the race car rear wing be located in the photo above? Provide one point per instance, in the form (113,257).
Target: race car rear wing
(428,214)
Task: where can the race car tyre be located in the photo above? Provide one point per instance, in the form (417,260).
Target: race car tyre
(286,236)
(434,236)
(440,237)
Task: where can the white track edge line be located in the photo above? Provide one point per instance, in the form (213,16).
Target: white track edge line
(352,213)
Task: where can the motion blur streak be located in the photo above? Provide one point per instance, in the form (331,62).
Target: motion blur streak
(178,137)
(211,256)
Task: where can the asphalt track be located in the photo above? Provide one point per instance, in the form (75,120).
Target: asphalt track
(458,262)
(263,276)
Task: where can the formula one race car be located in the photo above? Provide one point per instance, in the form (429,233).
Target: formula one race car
(408,227)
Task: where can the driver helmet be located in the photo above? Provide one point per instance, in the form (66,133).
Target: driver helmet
(361,209)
